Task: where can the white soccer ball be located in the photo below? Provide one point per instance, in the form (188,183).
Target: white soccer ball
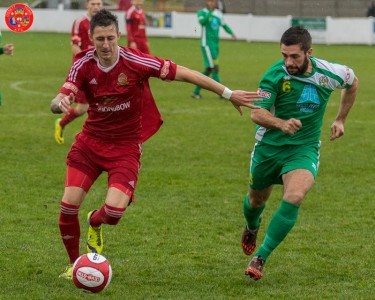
(92,272)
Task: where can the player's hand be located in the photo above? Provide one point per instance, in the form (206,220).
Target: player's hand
(337,130)
(65,102)
(133,45)
(8,49)
(291,126)
(244,98)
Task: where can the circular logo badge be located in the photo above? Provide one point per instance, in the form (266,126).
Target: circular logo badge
(19,17)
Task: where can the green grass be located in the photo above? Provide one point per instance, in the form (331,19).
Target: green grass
(180,240)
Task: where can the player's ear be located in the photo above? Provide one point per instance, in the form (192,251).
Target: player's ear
(90,36)
(309,52)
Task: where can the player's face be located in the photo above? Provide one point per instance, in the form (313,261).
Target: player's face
(105,40)
(211,4)
(138,3)
(296,60)
(93,6)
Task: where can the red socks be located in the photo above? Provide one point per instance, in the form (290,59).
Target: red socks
(106,215)
(69,229)
(67,118)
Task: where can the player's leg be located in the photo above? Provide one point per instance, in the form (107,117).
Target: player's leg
(253,207)
(110,213)
(300,166)
(77,184)
(296,185)
(215,72)
(209,65)
(81,174)
(123,172)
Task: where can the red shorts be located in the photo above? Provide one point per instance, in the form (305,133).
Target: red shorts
(92,157)
(80,98)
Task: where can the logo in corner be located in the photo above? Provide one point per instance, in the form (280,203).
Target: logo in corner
(122,79)
(19,17)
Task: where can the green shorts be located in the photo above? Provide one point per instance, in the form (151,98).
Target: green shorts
(210,56)
(269,162)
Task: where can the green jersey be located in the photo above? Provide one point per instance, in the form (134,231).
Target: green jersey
(211,21)
(303,97)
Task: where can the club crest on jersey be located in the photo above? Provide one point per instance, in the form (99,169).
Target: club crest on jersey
(122,79)
(323,80)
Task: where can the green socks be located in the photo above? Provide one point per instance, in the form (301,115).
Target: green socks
(252,215)
(281,223)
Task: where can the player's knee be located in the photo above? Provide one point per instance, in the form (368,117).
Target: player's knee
(295,197)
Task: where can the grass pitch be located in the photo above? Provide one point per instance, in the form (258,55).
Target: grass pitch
(181,239)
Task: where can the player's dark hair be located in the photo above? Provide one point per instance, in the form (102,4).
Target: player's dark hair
(297,35)
(103,18)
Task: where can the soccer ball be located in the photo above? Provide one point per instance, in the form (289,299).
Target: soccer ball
(92,272)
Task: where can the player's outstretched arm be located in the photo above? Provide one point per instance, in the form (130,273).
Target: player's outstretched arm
(61,103)
(347,100)
(238,98)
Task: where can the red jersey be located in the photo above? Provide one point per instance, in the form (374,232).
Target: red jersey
(121,106)
(135,24)
(80,33)
(124,5)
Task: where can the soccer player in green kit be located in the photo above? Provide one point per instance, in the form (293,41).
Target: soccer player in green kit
(211,20)
(295,92)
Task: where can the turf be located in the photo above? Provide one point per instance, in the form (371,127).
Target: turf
(180,240)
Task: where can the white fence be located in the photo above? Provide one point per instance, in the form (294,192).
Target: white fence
(246,27)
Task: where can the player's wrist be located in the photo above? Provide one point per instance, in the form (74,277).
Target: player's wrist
(227,93)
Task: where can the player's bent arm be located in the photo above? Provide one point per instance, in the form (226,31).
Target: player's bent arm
(347,100)
(61,103)
(264,118)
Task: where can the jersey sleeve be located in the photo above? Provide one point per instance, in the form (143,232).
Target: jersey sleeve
(75,33)
(74,80)
(267,90)
(149,65)
(347,75)
(129,24)
(340,76)
(203,17)
(227,29)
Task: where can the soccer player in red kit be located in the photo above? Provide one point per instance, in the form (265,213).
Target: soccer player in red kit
(136,27)
(80,41)
(122,115)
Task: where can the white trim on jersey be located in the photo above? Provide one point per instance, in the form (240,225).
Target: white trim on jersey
(78,64)
(145,61)
(77,22)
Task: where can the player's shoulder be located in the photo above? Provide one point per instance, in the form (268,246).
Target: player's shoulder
(276,70)
(203,11)
(136,57)
(327,65)
(217,13)
(84,56)
(130,12)
(81,19)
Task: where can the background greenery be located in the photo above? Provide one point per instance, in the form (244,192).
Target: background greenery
(181,239)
